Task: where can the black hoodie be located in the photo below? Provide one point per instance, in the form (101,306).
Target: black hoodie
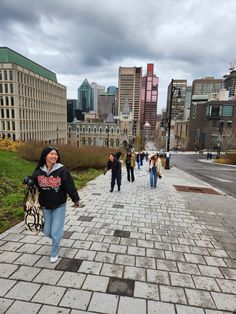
(54,186)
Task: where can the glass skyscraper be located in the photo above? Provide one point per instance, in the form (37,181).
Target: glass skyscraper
(85,97)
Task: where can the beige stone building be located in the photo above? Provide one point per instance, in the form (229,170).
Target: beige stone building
(32,102)
(129,85)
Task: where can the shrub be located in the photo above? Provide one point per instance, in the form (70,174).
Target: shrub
(8,144)
(227,159)
(72,157)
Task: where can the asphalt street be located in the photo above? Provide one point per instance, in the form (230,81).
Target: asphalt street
(220,176)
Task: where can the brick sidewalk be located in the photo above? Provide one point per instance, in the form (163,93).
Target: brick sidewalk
(138,251)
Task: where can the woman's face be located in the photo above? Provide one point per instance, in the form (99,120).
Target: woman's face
(111,157)
(52,157)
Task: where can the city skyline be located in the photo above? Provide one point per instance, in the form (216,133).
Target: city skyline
(78,40)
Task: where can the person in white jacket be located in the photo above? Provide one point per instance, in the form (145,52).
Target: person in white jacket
(155,166)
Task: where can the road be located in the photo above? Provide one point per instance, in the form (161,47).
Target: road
(220,176)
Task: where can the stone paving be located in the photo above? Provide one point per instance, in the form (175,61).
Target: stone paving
(138,251)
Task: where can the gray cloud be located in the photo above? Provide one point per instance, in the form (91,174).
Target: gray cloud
(80,39)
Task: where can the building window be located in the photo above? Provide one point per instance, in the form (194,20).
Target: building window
(194,111)
(227,111)
(229,124)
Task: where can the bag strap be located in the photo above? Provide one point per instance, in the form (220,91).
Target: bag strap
(32,196)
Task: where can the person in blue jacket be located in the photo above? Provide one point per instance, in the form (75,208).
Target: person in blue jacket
(54,182)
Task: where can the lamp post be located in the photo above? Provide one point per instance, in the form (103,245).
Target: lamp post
(172,91)
(109,119)
(57,130)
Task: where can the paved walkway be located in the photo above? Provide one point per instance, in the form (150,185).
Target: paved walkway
(138,251)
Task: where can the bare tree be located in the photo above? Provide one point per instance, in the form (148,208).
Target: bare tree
(160,137)
(228,139)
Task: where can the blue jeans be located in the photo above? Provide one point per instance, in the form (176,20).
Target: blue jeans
(153,177)
(54,225)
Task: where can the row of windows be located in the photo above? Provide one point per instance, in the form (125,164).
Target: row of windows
(6,101)
(39,84)
(6,88)
(95,130)
(219,111)
(7,125)
(29,103)
(6,75)
(100,142)
(7,114)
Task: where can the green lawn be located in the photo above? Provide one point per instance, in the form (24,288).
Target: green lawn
(12,191)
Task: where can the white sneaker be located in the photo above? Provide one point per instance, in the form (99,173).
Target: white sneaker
(54,259)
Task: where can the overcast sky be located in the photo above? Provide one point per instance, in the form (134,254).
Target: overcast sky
(78,39)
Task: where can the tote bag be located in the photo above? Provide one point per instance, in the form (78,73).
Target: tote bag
(33,216)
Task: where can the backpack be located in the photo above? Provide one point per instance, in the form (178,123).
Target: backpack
(33,217)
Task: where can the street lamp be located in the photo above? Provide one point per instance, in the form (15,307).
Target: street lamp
(172,91)
(57,130)
(109,119)
(147,128)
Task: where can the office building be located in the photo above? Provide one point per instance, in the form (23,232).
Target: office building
(97,91)
(178,99)
(85,97)
(129,85)
(230,83)
(32,102)
(149,95)
(71,108)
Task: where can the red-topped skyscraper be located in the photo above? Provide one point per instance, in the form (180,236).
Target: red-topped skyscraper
(149,95)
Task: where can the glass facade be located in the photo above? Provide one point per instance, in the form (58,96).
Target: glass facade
(85,97)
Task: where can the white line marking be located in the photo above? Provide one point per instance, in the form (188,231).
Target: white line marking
(218,179)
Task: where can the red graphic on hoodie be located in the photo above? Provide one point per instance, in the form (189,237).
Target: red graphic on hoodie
(49,182)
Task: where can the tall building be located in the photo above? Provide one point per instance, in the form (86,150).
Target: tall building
(129,85)
(71,107)
(97,91)
(112,90)
(149,94)
(230,83)
(206,86)
(178,99)
(32,102)
(106,104)
(85,97)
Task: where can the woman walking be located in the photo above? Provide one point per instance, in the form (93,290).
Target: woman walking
(154,169)
(54,182)
(130,165)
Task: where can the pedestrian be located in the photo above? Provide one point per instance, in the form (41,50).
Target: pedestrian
(130,165)
(155,166)
(114,165)
(54,182)
(138,159)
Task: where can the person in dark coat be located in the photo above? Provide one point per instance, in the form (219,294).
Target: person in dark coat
(130,165)
(115,165)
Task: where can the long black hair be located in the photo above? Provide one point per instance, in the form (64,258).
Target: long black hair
(44,154)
